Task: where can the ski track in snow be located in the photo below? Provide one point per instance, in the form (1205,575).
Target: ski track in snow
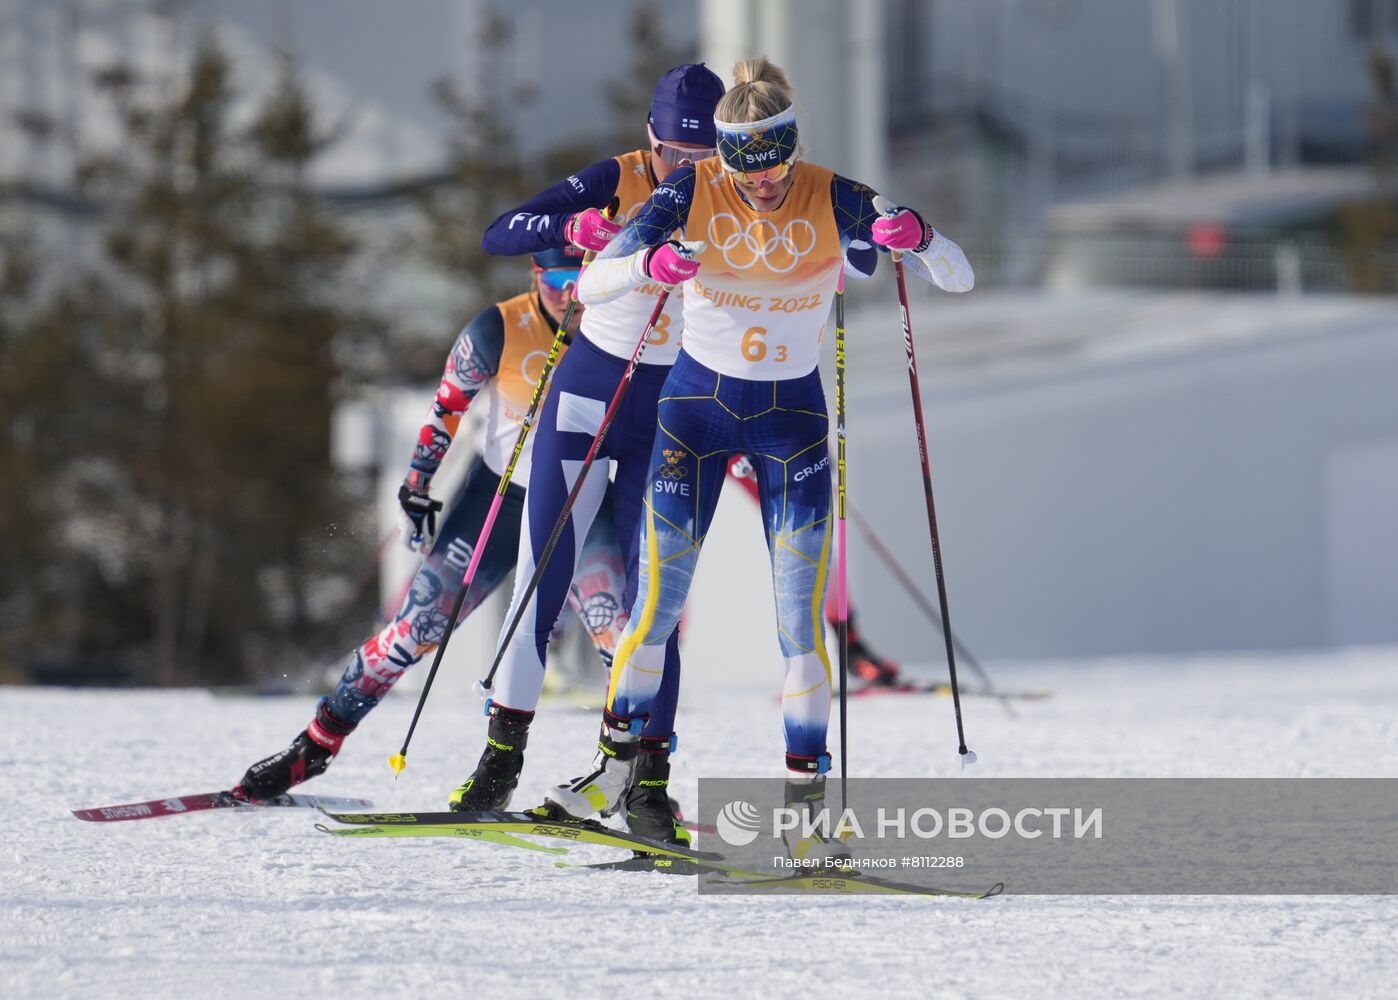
(237,904)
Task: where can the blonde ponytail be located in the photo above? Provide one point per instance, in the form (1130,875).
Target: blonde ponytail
(761,90)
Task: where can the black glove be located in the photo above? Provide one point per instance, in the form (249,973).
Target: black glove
(420,512)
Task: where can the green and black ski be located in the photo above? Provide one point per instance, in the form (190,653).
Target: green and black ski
(510,828)
(835,881)
(468,833)
(534,823)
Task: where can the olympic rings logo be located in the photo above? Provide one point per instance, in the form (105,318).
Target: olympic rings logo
(743,246)
(531,377)
(673,472)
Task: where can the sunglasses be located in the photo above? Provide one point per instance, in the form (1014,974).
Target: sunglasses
(674,155)
(557,278)
(751,178)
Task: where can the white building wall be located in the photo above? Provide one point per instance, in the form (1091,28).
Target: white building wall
(1178,503)
(1237,492)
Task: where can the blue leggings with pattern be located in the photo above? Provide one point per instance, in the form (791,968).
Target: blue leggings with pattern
(597,591)
(704,418)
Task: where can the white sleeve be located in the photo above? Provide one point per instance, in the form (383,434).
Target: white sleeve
(608,278)
(944,264)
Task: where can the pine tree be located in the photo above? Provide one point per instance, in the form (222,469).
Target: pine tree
(1369,229)
(484,175)
(187,486)
(291,295)
(177,228)
(651,55)
(29,366)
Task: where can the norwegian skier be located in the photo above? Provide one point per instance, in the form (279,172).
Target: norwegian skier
(498,354)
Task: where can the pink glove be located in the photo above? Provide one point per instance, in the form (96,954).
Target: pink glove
(903,230)
(590,230)
(670,264)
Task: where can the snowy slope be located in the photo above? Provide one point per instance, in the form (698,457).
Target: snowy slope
(228,904)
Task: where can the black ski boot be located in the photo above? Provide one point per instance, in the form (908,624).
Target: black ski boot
(493,781)
(650,812)
(309,755)
(868,666)
(810,843)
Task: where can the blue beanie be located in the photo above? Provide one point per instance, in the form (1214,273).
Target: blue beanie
(682,108)
(569,256)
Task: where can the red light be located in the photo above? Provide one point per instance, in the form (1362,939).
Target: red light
(1207,239)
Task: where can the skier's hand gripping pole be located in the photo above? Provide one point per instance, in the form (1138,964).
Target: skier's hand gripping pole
(400,760)
(888,211)
(483,687)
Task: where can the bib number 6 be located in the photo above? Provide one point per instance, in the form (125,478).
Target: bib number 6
(754,347)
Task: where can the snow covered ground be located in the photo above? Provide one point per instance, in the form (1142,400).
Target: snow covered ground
(232,903)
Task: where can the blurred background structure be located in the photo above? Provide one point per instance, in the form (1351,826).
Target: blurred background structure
(237,239)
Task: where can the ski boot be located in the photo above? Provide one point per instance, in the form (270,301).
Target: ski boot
(650,812)
(309,755)
(864,663)
(493,781)
(809,843)
(872,670)
(602,789)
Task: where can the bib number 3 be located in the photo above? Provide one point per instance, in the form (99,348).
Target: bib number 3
(661,332)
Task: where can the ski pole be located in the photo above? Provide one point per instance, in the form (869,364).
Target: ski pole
(483,687)
(967,756)
(841,550)
(400,760)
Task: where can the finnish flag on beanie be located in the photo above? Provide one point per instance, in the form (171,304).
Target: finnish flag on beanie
(682,107)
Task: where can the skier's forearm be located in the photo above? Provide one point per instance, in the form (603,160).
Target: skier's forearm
(611,277)
(622,265)
(927,253)
(943,264)
(473,362)
(437,432)
(540,222)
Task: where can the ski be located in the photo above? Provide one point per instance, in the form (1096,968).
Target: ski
(535,823)
(447,830)
(942,687)
(155,808)
(862,884)
(647,863)
(487,836)
(652,856)
(834,881)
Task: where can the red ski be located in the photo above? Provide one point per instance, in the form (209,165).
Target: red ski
(210,800)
